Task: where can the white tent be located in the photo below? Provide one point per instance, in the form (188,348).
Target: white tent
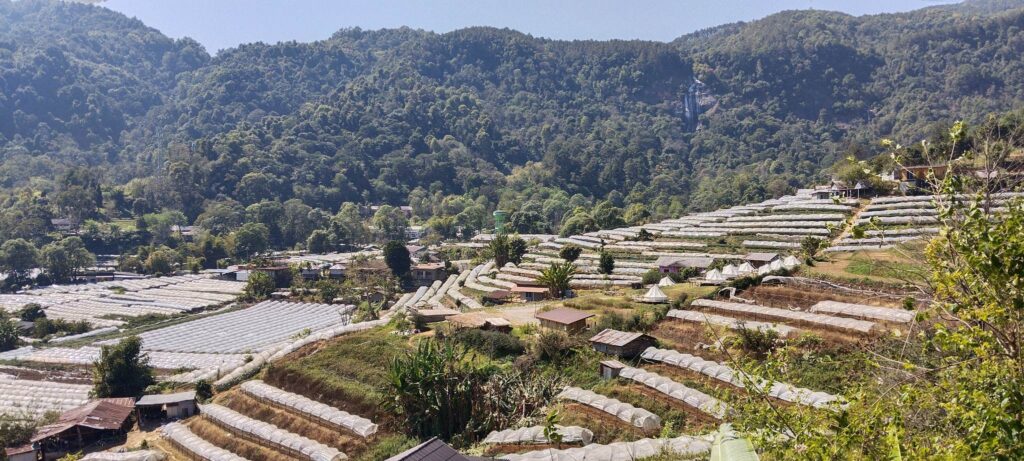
(729,271)
(745,269)
(776,265)
(714,275)
(654,295)
(666,282)
(790,262)
(764,270)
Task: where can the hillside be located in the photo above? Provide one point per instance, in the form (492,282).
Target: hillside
(386,116)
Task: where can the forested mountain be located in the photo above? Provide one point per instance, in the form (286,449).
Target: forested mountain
(498,117)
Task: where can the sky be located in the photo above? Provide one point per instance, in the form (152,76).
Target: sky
(219,24)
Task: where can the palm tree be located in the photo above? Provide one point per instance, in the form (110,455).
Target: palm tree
(557,277)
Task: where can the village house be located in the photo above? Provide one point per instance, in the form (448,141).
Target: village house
(101,421)
(427,273)
(621,343)
(564,319)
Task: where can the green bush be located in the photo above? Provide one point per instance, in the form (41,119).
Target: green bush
(552,346)
(651,277)
(759,342)
(494,344)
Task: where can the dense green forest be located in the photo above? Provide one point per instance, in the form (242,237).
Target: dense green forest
(103,118)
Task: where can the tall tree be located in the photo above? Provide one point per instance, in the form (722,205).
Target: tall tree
(396,256)
(122,370)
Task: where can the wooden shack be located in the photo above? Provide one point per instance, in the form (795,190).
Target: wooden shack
(99,422)
(166,406)
(621,343)
(564,319)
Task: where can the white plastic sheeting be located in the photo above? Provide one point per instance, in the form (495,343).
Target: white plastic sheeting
(862,311)
(827,321)
(31,399)
(729,322)
(183,438)
(535,435)
(137,455)
(310,408)
(677,390)
(269,434)
(247,330)
(636,416)
(683,446)
(739,379)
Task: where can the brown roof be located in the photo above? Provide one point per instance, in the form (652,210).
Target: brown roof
(102,414)
(428,266)
(613,364)
(26,448)
(431,450)
(615,337)
(563,315)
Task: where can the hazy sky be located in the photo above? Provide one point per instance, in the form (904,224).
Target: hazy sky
(219,24)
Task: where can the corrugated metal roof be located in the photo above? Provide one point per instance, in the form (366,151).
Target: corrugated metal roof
(761,257)
(161,399)
(431,450)
(564,315)
(102,414)
(615,337)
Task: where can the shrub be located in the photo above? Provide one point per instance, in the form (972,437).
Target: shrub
(651,277)
(759,342)
(552,345)
(30,312)
(570,252)
(494,344)
(44,327)
(259,286)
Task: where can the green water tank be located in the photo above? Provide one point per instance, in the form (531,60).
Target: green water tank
(499,221)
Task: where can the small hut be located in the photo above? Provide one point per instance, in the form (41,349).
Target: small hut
(564,319)
(621,343)
(166,406)
(611,368)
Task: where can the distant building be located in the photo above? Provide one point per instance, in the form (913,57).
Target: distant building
(416,252)
(564,319)
(916,177)
(760,259)
(531,294)
(414,232)
(166,406)
(281,274)
(672,264)
(428,273)
(62,224)
(621,343)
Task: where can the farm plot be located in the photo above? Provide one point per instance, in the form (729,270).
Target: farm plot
(97,303)
(784,315)
(249,330)
(158,359)
(21,398)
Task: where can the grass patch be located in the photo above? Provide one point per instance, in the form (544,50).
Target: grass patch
(349,372)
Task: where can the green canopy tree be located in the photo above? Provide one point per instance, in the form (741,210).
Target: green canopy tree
(396,256)
(557,277)
(65,257)
(122,370)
